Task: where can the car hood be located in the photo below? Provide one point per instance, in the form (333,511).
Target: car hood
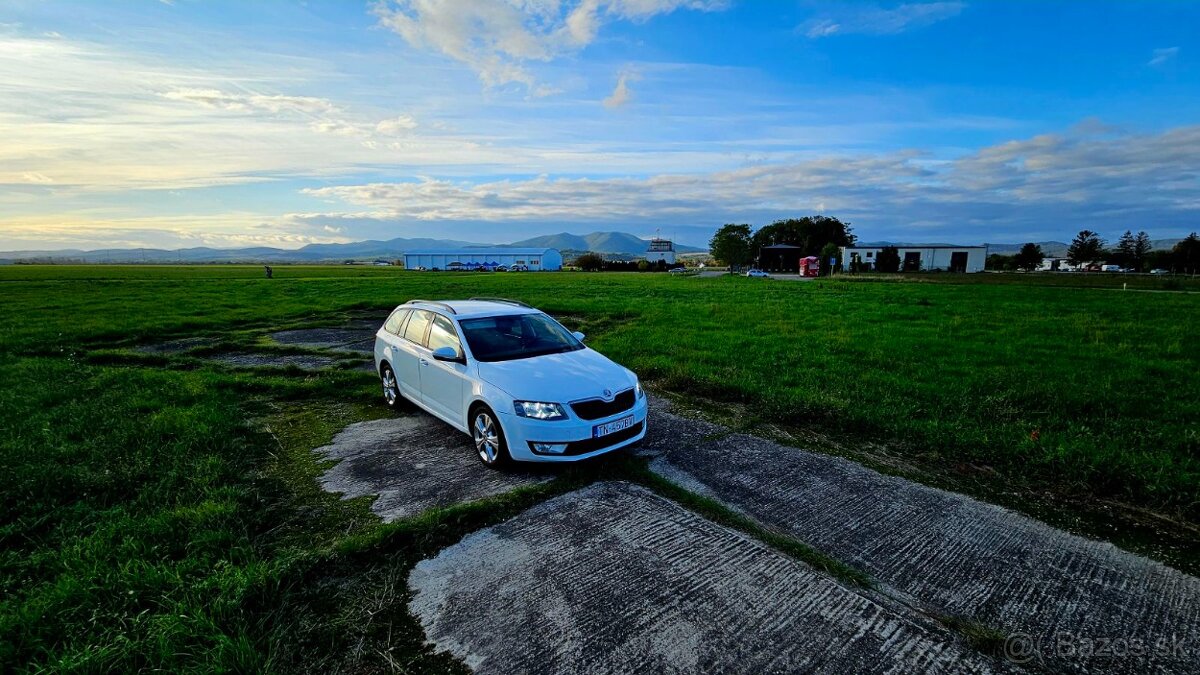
(557,378)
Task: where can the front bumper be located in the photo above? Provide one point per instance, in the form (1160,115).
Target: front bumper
(576,433)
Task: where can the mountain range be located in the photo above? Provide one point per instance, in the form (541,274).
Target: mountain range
(621,243)
(614,243)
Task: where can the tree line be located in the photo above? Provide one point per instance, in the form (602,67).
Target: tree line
(1132,251)
(594,262)
(738,244)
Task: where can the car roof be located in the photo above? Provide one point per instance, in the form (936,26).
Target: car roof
(466,309)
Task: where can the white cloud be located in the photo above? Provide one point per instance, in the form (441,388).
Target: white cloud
(95,118)
(217,99)
(1163,55)
(874,20)
(499,38)
(396,125)
(621,93)
(229,230)
(336,127)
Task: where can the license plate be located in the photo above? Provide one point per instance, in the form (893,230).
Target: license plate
(612,427)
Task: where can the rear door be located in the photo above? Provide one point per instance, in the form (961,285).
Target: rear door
(443,382)
(409,351)
(388,337)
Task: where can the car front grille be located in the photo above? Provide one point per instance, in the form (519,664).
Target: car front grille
(595,409)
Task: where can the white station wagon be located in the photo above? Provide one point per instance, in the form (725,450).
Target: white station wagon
(520,384)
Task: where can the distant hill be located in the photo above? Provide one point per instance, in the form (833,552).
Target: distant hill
(598,242)
(391,249)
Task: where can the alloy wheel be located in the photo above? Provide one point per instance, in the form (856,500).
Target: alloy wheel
(391,391)
(487,440)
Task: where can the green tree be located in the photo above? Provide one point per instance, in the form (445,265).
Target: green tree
(1124,254)
(1141,250)
(1029,257)
(810,233)
(888,259)
(1001,263)
(829,252)
(1087,247)
(731,245)
(1185,256)
(590,262)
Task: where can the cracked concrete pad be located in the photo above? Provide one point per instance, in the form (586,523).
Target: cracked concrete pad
(178,346)
(957,555)
(413,463)
(615,579)
(358,339)
(250,360)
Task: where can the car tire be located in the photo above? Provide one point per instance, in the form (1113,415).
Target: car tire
(488,437)
(391,386)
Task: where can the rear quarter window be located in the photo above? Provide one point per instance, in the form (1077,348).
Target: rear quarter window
(396,321)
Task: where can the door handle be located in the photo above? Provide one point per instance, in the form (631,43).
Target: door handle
(424,362)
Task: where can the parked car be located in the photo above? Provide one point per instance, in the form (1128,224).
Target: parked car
(757,273)
(677,270)
(1159,270)
(523,386)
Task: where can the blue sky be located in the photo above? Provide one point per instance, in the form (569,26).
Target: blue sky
(191,123)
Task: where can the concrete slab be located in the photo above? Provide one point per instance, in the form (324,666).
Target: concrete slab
(178,346)
(614,579)
(251,360)
(1076,599)
(356,338)
(413,463)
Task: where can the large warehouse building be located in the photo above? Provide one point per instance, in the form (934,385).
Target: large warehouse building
(920,257)
(535,259)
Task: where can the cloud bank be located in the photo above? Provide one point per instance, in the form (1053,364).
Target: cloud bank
(1087,176)
(498,39)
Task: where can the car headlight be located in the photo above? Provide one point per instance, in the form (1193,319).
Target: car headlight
(641,393)
(539,411)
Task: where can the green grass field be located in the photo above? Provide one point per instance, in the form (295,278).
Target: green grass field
(162,513)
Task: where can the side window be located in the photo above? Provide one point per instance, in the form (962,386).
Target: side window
(395,321)
(442,334)
(415,330)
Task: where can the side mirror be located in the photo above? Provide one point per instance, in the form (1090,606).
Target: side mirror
(579,336)
(447,354)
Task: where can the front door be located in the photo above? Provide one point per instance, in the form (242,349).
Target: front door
(443,382)
(958,261)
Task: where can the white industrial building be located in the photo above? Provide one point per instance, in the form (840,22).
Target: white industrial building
(661,250)
(920,257)
(1058,265)
(535,259)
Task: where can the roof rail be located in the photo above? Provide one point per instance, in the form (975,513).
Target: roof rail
(432,302)
(506,301)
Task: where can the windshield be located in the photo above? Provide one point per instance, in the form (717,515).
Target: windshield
(516,336)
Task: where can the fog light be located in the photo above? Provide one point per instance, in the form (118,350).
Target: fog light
(549,448)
